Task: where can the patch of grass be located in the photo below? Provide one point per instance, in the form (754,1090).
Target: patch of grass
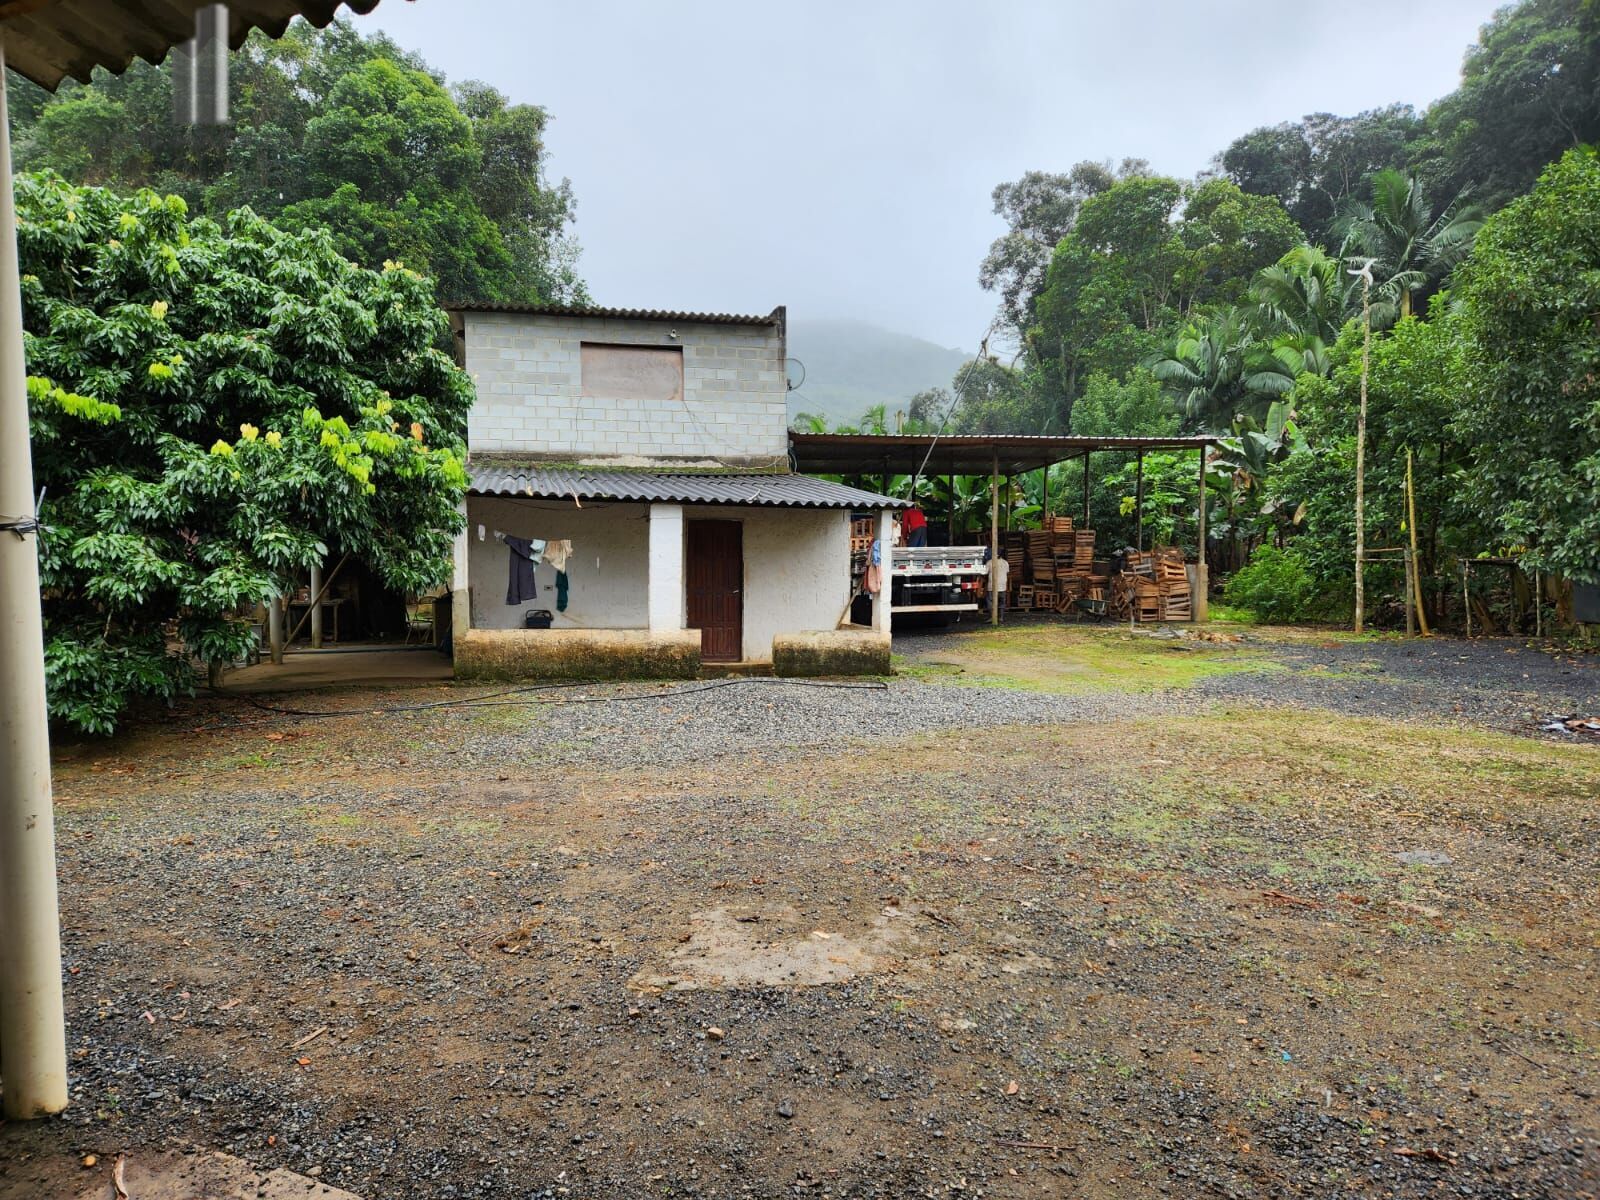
(1069,658)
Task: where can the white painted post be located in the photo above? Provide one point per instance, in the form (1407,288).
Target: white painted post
(664,583)
(316,607)
(882,602)
(460,588)
(33,1039)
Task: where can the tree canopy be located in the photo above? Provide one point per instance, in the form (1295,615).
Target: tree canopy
(335,131)
(214,407)
(1531,293)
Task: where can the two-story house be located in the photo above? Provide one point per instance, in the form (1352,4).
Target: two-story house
(631,485)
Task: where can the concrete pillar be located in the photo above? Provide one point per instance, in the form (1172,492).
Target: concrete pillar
(882,601)
(460,587)
(33,1040)
(664,583)
(316,607)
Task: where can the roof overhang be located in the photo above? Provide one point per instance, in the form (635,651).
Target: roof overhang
(659,487)
(591,311)
(969,454)
(48,40)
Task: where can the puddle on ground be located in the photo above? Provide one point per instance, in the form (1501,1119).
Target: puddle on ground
(740,948)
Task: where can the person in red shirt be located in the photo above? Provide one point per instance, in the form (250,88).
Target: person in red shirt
(915,526)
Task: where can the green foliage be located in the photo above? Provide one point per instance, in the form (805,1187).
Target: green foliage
(1530,90)
(213,408)
(1316,164)
(1532,417)
(1410,246)
(339,132)
(1277,585)
(1143,255)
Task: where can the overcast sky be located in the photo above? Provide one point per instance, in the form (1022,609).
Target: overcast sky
(838,157)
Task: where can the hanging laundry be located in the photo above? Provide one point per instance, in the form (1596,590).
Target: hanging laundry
(561,591)
(556,554)
(525,553)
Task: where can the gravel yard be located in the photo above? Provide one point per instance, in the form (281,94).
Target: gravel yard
(1054,912)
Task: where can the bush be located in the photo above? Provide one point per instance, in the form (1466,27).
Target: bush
(1276,585)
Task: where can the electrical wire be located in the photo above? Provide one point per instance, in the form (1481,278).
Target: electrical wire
(494,699)
(955,400)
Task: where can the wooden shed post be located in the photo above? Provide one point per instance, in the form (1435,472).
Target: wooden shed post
(1138,501)
(994,538)
(1086,489)
(316,606)
(1202,566)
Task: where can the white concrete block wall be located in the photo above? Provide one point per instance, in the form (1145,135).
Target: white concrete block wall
(528,371)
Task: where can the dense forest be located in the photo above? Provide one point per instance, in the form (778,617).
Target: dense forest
(1136,303)
(337,131)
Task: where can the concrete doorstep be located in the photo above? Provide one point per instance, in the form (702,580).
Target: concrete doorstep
(162,1175)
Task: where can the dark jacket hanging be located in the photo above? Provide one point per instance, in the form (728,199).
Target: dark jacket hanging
(524,554)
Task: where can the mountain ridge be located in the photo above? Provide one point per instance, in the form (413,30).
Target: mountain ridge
(853,365)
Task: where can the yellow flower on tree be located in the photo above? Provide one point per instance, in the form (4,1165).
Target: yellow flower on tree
(248,432)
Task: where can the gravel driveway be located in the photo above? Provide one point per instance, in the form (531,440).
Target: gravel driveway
(926,938)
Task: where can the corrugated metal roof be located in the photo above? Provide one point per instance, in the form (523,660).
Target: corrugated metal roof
(775,317)
(961,454)
(763,491)
(47,40)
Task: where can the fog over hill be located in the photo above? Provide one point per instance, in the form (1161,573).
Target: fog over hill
(851,366)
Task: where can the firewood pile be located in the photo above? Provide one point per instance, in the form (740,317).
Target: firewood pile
(1152,586)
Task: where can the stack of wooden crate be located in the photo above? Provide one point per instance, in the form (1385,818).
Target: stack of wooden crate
(1153,586)
(861,535)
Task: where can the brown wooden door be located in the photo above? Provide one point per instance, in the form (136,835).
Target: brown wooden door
(714,576)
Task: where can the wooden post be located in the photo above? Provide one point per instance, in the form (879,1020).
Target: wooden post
(1138,501)
(1416,575)
(275,629)
(316,607)
(1466,598)
(1202,567)
(1044,507)
(1538,611)
(1086,489)
(994,538)
(1361,451)
(950,515)
(1411,593)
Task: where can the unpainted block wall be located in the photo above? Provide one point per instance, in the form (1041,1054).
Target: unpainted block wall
(528,371)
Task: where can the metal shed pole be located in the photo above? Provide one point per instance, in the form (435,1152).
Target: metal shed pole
(33,1040)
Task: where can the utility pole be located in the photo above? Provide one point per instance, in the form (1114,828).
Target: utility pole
(1361,446)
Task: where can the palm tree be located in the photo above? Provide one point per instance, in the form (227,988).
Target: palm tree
(1409,248)
(1304,293)
(1205,367)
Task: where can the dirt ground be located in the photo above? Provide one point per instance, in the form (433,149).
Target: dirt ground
(1090,916)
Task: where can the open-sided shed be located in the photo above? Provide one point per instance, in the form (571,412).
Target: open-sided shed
(998,456)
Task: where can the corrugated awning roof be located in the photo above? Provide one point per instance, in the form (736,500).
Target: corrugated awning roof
(775,317)
(48,40)
(967,454)
(763,491)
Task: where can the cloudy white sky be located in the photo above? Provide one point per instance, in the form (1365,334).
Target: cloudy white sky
(838,157)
